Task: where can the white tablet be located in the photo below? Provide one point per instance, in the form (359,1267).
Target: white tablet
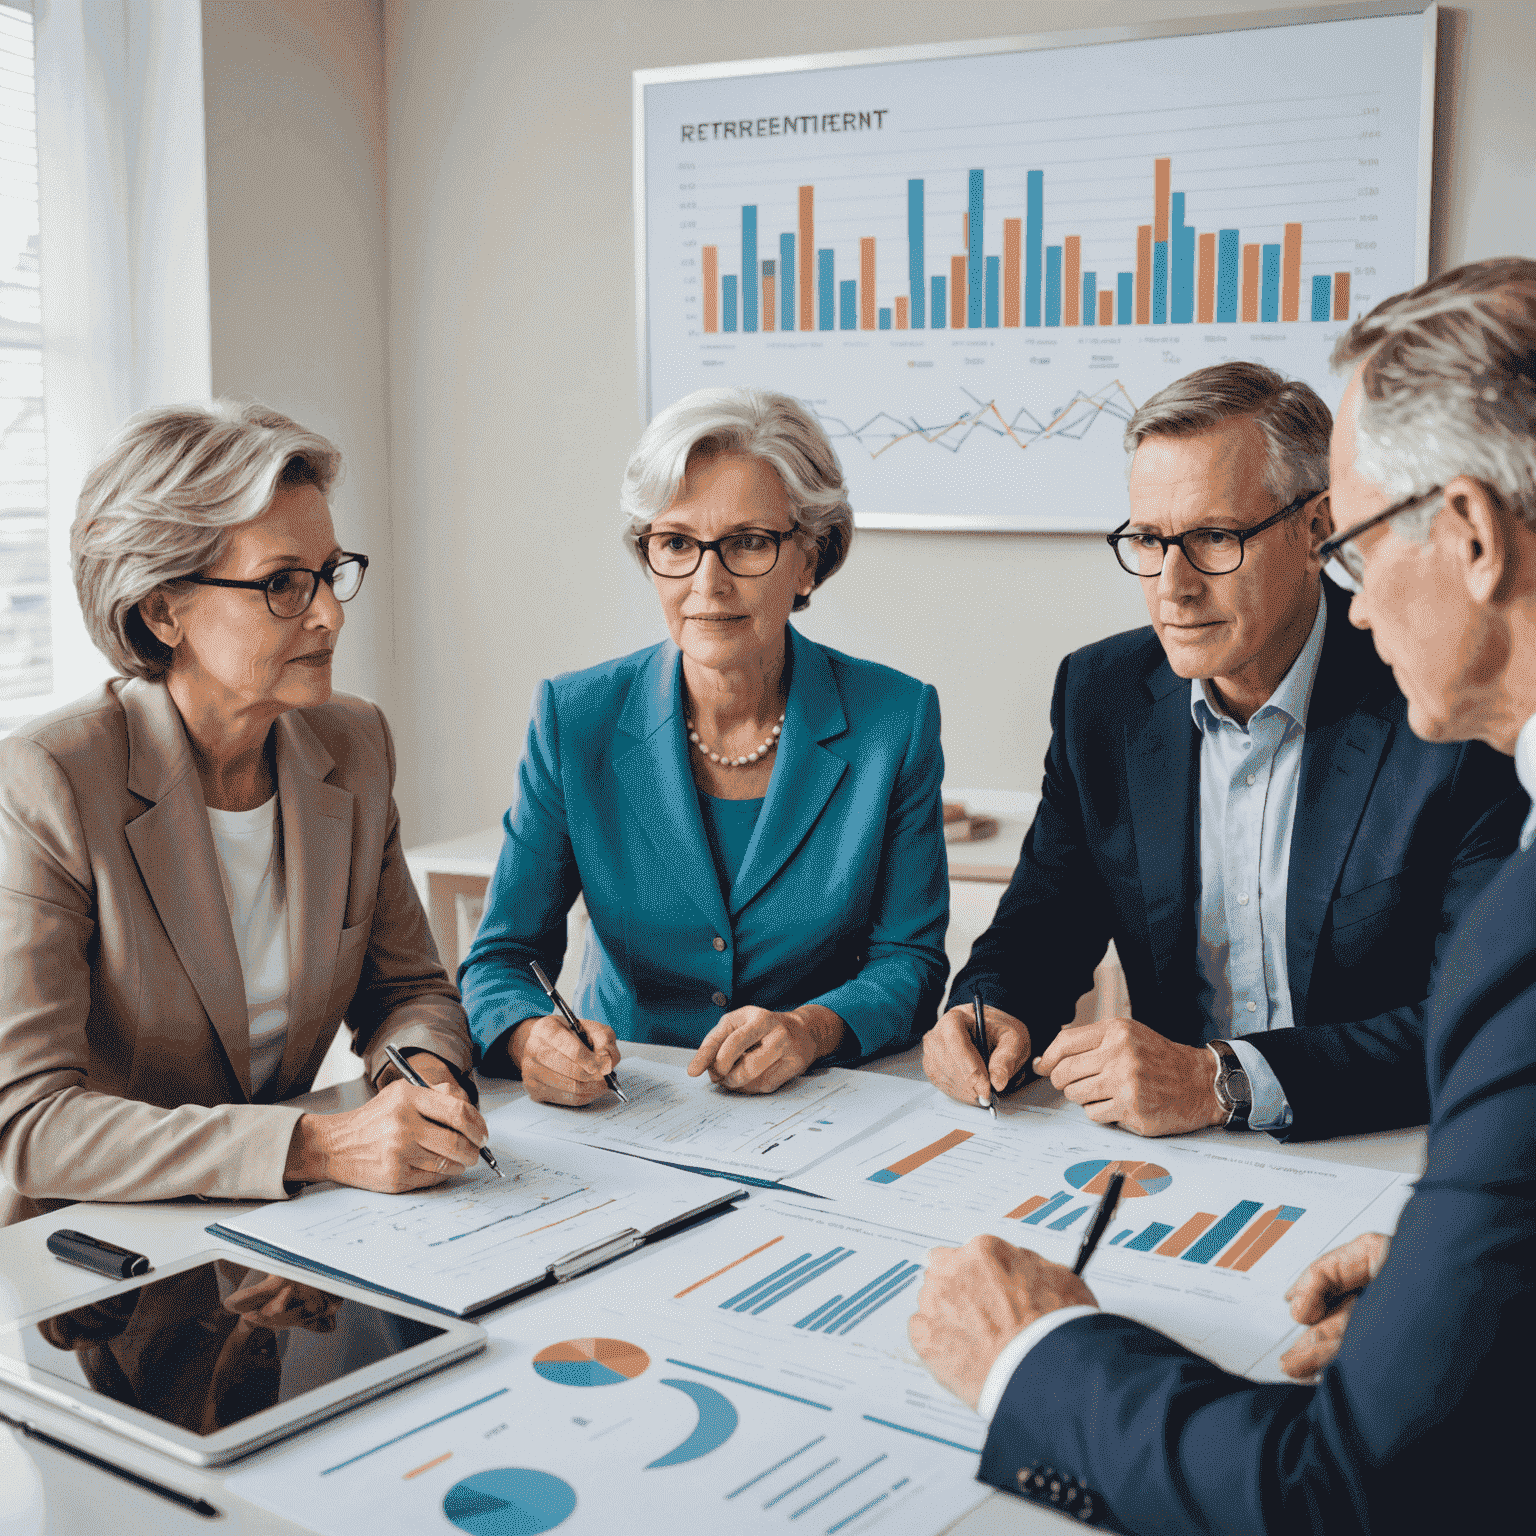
(211,1358)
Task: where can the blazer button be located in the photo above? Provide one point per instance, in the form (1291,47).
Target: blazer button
(719,942)
(719,999)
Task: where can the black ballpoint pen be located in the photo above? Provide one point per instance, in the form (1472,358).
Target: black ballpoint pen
(413,1077)
(979,1040)
(1101,1220)
(572,1023)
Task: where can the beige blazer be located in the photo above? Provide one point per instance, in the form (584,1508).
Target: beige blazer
(124,1047)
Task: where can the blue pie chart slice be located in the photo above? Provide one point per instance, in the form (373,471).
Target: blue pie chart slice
(509,1501)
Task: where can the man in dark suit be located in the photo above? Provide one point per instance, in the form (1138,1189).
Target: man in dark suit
(1234,797)
(1420,1420)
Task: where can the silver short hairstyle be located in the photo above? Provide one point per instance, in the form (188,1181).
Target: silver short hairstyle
(1448,388)
(1291,416)
(162,501)
(773,428)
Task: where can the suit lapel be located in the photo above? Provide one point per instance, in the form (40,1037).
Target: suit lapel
(1162,774)
(804,776)
(1340,756)
(317,859)
(651,765)
(173,847)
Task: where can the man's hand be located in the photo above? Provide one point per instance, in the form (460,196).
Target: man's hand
(556,1067)
(975,1299)
(1324,1297)
(752,1050)
(1123,1073)
(951,1062)
(430,1068)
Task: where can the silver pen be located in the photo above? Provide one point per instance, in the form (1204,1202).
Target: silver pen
(416,1080)
(979,1040)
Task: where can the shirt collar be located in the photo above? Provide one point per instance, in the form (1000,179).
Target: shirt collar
(1294,695)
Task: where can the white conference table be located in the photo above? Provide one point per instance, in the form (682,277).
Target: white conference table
(43,1490)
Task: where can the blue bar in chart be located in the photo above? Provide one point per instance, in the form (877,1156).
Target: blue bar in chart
(1322,297)
(794,1280)
(1222,1233)
(890,1293)
(1181,296)
(728,303)
(1063,1222)
(786,282)
(884,319)
(1146,1240)
(974,267)
(848,305)
(749,287)
(994,266)
(1053,285)
(915,252)
(824,290)
(1228,249)
(1125,298)
(1119,1237)
(759,1286)
(939,308)
(1053,1204)
(1090,298)
(1034,240)
(1269,302)
(1159,282)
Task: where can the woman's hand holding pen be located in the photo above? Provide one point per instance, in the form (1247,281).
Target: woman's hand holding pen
(951,1062)
(753,1050)
(556,1067)
(1324,1297)
(404,1138)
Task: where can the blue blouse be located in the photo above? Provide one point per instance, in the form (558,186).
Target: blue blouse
(728,824)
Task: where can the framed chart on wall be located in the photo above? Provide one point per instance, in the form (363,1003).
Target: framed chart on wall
(973,261)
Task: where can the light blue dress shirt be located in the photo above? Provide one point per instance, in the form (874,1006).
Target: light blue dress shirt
(1249,779)
(1525,771)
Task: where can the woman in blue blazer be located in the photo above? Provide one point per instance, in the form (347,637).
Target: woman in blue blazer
(753,819)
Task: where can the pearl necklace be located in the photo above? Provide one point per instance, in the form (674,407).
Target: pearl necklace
(754,756)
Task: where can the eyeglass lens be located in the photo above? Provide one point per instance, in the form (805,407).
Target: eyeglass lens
(289,593)
(1214,551)
(742,554)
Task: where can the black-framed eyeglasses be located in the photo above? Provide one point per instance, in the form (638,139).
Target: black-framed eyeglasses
(1212,551)
(752,552)
(290,592)
(1341,556)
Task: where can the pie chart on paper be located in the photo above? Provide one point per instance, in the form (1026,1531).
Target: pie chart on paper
(1140,1178)
(591,1362)
(509,1501)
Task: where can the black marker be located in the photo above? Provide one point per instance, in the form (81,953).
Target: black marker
(416,1080)
(95,1254)
(572,1023)
(1101,1219)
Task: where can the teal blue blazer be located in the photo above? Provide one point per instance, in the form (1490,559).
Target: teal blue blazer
(842,898)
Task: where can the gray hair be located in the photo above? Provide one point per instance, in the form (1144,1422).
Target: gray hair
(162,501)
(1448,388)
(1290,414)
(773,428)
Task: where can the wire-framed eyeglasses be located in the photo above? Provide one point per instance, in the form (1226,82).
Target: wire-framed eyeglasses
(290,592)
(1212,551)
(1341,556)
(752,552)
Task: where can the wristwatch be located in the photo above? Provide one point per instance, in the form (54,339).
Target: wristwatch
(1233,1092)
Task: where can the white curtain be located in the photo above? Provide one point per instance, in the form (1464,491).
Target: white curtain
(123,221)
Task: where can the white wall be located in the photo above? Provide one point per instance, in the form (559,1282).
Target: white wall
(294,94)
(511,367)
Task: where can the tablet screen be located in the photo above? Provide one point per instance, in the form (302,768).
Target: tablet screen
(212,1345)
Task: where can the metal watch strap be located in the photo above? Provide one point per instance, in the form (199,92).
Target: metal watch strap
(1233,1091)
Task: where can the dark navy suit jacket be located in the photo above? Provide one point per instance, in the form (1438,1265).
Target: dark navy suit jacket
(1393,839)
(1423,1422)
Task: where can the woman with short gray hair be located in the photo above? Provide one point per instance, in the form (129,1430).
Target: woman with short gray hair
(202,874)
(752,818)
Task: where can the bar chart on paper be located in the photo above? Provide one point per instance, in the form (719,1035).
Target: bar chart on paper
(976,276)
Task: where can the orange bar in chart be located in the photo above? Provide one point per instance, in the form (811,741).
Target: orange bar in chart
(1186,1234)
(732,1265)
(866,284)
(807,258)
(922,1155)
(1012,245)
(1072,281)
(1290,274)
(1032,1204)
(1341,295)
(1245,1239)
(1205,281)
(957,292)
(711,288)
(770,308)
(1250,285)
(902,317)
(1160,181)
(1106,308)
(1285,1219)
(1143,274)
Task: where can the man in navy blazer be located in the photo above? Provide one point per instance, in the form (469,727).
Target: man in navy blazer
(1234,797)
(1420,1418)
